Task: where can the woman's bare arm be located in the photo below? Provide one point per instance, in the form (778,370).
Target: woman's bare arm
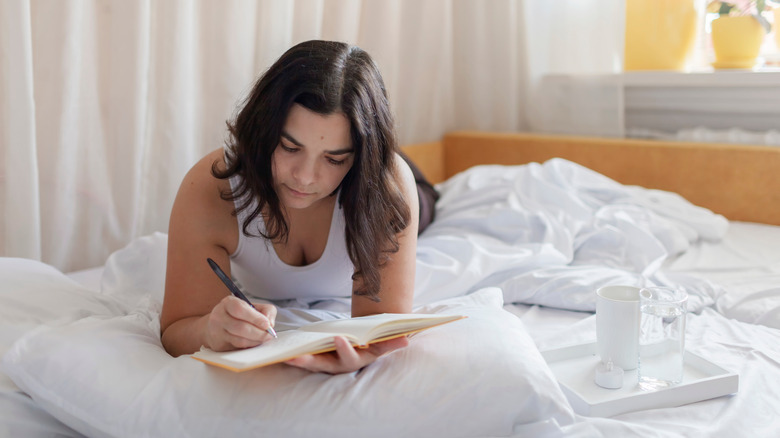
(197,308)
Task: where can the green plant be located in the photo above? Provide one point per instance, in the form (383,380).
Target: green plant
(745,7)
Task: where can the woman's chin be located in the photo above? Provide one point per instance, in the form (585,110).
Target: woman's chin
(299,202)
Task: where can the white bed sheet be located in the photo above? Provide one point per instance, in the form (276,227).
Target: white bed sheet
(734,280)
(746,264)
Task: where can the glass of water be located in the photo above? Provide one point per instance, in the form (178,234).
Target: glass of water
(662,313)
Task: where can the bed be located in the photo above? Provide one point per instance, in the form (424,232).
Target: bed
(527,228)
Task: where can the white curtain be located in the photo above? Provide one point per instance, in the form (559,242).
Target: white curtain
(574,49)
(105,104)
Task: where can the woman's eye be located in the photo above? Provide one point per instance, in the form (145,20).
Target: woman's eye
(336,162)
(287,148)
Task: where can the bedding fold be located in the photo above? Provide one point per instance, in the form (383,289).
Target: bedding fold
(552,233)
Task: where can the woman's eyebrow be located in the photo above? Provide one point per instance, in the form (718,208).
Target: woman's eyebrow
(292,140)
(339,151)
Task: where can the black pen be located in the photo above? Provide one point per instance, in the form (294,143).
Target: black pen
(234,289)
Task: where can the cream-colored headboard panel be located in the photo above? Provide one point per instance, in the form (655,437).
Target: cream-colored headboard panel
(429,158)
(741,182)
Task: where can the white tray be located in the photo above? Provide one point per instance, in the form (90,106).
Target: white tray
(575,368)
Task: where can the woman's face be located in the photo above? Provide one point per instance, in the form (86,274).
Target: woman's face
(313,156)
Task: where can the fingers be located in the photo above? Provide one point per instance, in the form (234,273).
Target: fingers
(332,362)
(314,363)
(235,324)
(350,358)
(346,358)
(269,310)
(259,316)
(382,348)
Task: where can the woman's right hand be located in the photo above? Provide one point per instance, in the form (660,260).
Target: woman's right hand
(234,324)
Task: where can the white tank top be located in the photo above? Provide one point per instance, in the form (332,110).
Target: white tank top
(261,273)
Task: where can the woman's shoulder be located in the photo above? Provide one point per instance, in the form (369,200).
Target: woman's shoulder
(201,175)
(199,203)
(210,160)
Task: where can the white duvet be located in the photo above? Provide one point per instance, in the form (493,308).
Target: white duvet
(552,233)
(538,234)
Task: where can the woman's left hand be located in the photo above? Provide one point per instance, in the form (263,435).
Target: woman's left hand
(346,358)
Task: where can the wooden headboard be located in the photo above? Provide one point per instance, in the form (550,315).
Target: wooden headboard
(741,182)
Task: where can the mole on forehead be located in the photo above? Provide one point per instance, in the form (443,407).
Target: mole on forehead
(341,151)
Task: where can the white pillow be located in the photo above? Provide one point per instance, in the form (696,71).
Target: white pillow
(109,376)
(137,269)
(34,294)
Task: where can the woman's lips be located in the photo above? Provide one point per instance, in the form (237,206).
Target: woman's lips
(297,193)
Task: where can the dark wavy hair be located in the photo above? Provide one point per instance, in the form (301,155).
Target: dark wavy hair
(325,77)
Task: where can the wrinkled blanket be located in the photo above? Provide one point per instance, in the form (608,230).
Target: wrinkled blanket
(552,233)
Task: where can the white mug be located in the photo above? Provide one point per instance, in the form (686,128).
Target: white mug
(617,325)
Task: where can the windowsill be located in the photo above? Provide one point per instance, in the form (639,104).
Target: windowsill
(658,103)
(714,78)
(722,99)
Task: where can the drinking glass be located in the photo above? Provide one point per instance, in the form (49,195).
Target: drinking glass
(661,337)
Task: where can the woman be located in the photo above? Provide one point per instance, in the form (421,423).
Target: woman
(310,198)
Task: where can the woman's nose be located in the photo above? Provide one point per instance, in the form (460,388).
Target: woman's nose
(305,172)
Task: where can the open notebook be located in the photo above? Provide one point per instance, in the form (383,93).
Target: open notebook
(318,338)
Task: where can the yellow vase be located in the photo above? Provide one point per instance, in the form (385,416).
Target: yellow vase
(660,34)
(736,41)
